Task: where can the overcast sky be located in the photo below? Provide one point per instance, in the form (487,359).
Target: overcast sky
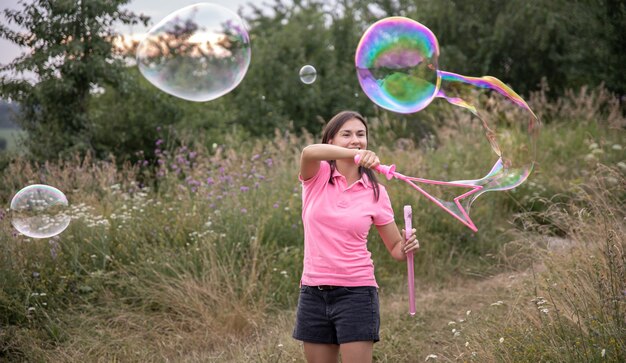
(155,9)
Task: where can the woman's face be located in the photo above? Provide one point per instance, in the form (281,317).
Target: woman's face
(351,135)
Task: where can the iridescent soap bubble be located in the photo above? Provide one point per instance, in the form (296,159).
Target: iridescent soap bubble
(308,74)
(39,211)
(396,62)
(198,53)
(397,67)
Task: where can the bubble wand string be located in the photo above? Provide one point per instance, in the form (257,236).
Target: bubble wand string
(389,171)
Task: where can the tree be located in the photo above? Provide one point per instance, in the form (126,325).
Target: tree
(71,52)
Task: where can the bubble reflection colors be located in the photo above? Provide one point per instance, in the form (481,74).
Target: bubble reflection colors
(39,211)
(308,74)
(396,62)
(198,53)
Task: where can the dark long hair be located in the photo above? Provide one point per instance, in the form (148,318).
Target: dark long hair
(332,128)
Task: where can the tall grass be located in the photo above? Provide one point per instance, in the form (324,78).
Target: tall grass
(188,257)
(572,308)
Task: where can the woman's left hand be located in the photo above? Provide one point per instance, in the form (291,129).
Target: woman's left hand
(411,244)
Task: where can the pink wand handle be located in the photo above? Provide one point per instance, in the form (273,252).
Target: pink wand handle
(408,228)
(386,170)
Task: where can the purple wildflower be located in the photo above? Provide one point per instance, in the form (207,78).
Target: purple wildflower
(244,210)
(269,162)
(210,181)
(158,142)
(54,248)
(275,205)
(244,188)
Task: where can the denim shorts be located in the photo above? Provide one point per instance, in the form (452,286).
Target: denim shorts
(339,315)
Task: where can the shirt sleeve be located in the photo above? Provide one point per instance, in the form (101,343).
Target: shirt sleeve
(384,211)
(322,173)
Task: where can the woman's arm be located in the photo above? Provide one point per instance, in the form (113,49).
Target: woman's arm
(395,242)
(312,155)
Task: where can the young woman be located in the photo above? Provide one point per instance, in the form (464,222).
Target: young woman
(338,308)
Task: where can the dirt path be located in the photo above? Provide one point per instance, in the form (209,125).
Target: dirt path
(403,338)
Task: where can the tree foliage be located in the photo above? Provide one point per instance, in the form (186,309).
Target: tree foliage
(521,42)
(71,53)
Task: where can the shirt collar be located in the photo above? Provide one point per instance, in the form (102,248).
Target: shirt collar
(364,180)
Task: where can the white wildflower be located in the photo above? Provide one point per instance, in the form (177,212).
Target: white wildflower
(501,340)
(433,356)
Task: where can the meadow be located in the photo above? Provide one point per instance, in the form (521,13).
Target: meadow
(196,257)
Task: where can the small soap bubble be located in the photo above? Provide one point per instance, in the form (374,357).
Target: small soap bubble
(308,74)
(198,53)
(39,211)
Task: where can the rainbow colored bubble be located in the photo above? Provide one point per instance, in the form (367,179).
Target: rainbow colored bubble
(396,62)
(397,67)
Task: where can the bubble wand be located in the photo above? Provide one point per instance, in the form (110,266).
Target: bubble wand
(408,228)
(455,208)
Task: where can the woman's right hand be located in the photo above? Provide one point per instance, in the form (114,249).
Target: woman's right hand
(368,159)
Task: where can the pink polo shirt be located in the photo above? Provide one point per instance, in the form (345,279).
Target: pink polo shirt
(337,219)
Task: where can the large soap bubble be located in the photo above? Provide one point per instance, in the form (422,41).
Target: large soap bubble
(397,67)
(198,53)
(39,211)
(396,62)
